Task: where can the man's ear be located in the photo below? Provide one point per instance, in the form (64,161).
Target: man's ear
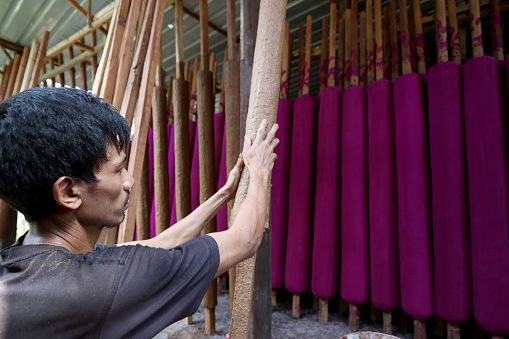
(67,192)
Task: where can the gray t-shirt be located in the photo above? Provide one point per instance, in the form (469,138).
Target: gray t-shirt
(113,292)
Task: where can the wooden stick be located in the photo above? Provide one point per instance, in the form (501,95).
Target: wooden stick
(323,310)
(5,81)
(497,40)
(354,79)
(411,36)
(453,30)
(341,53)
(142,121)
(21,71)
(301,58)
(95,63)
(394,41)
(324,55)
(379,58)
(51,68)
(406,56)
(387,322)
(387,43)
(262,104)
(331,78)
(83,75)
(187,73)
(222,90)
(13,75)
(462,32)
(354,318)
(370,50)
(192,110)
(419,39)
(144,202)
(43,70)
(475,17)
(362,49)
(39,60)
(6,53)
(72,71)
(348,47)
(441,31)
(61,76)
(419,329)
(34,49)
(307,59)
(125,54)
(112,66)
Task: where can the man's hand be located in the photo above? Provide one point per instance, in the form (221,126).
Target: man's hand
(259,157)
(234,177)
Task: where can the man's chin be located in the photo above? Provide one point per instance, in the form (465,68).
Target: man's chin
(114,225)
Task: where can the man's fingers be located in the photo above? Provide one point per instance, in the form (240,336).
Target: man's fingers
(247,143)
(261,130)
(272,133)
(273,144)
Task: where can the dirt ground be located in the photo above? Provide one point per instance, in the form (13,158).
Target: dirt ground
(283,325)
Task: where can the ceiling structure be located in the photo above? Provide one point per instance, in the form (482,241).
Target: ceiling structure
(22,21)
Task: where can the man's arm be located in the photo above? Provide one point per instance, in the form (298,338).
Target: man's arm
(191,226)
(242,240)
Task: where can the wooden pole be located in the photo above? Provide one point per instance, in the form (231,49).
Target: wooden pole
(21,71)
(331,78)
(122,72)
(370,50)
(379,59)
(341,53)
(231,70)
(142,121)
(453,29)
(39,60)
(421,63)
(348,47)
(61,76)
(72,71)
(301,58)
(475,15)
(324,54)
(394,41)
(192,110)
(362,49)
(13,75)
(354,79)
(51,68)
(441,31)
(30,65)
(95,64)
(406,56)
(144,200)
(5,81)
(83,73)
(496,30)
(387,43)
(263,104)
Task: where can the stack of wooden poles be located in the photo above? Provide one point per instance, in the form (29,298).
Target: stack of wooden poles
(371,199)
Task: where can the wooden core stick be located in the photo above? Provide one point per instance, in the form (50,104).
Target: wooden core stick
(419,329)
(125,53)
(72,71)
(475,17)
(341,53)
(51,68)
(307,59)
(379,58)
(13,75)
(348,47)
(419,39)
(40,59)
(370,62)
(83,73)
(354,318)
(204,35)
(221,92)
(454,34)
(496,30)
(411,35)
(34,49)
(441,31)
(387,43)
(262,105)
(43,70)
(144,200)
(362,49)
(142,121)
(61,76)
(323,310)
(21,70)
(406,56)
(301,58)
(231,29)
(95,63)
(5,81)
(394,41)
(324,54)
(331,78)
(387,322)
(354,49)
(192,110)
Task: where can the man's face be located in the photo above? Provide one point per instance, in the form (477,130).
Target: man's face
(105,201)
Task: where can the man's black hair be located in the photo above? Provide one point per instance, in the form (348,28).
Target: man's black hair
(47,133)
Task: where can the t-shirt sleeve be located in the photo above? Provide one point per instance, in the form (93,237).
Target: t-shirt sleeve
(158,287)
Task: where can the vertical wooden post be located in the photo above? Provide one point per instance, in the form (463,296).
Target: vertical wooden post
(263,104)
(34,49)
(496,30)
(394,41)
(5,80)
(331,78)
(406,56)
(13,76)
(341,53)
(95,64)
(324,54)
(61,76)
(83,71)
(379,59)
(21,71)
(52,67)
(370,50)
(362,49)
(355,47)
(453,28)
(206,149)
(39,60)
(421,63)
(441,31)
(301,58)
(72,71)
(348,47)
(475,16)
(387,43)
(419,329)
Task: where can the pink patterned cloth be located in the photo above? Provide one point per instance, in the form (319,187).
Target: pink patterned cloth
(324,268)
(449,199)
(354,198)
(301,195)
(485,93)
(414,215)
(383,209)
(280,187)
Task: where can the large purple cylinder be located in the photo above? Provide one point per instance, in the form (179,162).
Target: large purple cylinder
(301,195)
(414,218)
(324,267)
(354,198)
(449,195)
(383,211)
(280,188)
(486,133)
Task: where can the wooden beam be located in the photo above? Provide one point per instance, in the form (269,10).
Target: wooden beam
(21,71)
(5,52)
(11,45)
(30,65)
(211,25)
(100,18)
(264,97)
(81,45)
(40,60)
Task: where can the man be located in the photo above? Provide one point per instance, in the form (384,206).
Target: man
(62,154)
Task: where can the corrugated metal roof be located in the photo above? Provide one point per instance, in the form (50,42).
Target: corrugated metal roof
(21,21)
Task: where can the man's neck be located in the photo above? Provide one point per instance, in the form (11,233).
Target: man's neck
(64,233)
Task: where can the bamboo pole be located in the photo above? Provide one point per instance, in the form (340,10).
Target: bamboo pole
(411,35)
(341,53)
(394,41)
(331,78)
(60,63)
(232,112)
(206,150)
(496,30)
(441,31)
(144,199)
(5,81)
(95,63)
(301,58)
(379,58)
(72,71)
(263,104)
(122,72)
(192,110)
(126,230)
(39,60)
(222,90)
(83,73)
(406,56)
(354,79)
(30,65)
(370,76)
(21,71)
(13,75)
(475,15)
(387,43)
(348,47)
(421,63)
(362,49)
(324,54)
(51,68)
